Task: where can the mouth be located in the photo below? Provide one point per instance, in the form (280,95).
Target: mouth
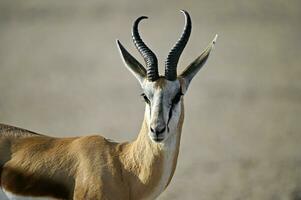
(158,138)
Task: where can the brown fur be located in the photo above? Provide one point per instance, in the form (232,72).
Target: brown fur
(89,167)
(160,83)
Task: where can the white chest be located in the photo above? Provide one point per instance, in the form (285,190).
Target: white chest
(5,195)
(168,166)
(2,195)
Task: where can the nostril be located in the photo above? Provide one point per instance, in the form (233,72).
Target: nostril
(152,130)
(161,131)
(157,131)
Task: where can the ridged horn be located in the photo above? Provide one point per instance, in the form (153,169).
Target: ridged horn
(175,53)
(148,56)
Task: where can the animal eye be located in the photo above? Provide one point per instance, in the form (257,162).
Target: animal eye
(177,98)
(145,98)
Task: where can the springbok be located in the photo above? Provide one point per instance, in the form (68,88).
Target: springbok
(35,166)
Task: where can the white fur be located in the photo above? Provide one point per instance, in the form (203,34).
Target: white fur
(162,96)
(169,145)
(169,153)
(2,195)
(5,195)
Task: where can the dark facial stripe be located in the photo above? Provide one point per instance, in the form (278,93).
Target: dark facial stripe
(175,101)
(169,117)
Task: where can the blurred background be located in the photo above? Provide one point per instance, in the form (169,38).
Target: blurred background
(61,75)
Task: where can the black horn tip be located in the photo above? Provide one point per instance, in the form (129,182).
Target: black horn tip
(137,21)
(141,18)
(118,42)
(187,16)
(148,56)
(175,53)
(184,11)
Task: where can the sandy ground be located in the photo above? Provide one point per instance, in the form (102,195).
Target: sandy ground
(60,74)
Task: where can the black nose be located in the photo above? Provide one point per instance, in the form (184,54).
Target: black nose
(157,130)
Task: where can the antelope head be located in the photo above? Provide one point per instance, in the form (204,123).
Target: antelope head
(163,94)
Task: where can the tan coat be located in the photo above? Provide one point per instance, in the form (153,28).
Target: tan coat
(88,167)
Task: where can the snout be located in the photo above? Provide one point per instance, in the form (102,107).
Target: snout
(157,132)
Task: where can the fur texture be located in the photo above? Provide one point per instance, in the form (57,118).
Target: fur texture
(90,167)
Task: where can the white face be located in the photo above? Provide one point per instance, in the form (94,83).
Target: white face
(163,97)
(163,107)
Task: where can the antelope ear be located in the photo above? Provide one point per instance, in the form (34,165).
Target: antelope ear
(131,63)
(197,64)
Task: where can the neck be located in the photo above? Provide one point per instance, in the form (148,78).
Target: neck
(149,166)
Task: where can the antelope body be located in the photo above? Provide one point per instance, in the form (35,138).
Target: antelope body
(35,166)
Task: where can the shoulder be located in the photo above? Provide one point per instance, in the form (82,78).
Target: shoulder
(92,142)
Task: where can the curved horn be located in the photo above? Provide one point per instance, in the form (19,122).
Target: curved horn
(175,53)
(148,56)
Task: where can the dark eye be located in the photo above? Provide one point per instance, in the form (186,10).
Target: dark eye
(145,98)
(177,98)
